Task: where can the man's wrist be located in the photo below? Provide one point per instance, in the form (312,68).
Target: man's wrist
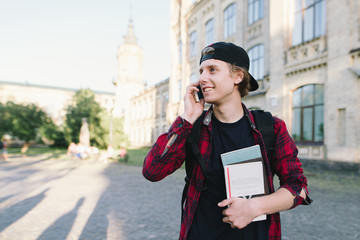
(258,206)
(187,118)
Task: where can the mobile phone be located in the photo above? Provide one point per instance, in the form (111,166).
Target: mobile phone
(198,95)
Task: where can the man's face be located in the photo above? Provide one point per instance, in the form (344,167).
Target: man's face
(217,83)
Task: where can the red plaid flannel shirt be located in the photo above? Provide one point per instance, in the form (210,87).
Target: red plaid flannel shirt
(168,154)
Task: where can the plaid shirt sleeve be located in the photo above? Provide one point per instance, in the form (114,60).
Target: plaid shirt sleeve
(287,165)
(168,153)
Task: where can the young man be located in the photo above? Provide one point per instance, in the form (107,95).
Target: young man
(227,126)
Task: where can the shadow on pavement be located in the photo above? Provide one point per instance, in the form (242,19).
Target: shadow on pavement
(6,198)
(11,214)
(63,225)
(97,224)
(133,208)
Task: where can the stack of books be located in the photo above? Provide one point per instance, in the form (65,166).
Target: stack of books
(244,174)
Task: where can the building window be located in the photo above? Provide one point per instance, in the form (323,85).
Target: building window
(256,55)
(192,48)
(255,10)
(179,90)
(209,32)
(229,20)
(309,20)
(158,107)
(180,51)
(193,78)
(165,101)
(308,114)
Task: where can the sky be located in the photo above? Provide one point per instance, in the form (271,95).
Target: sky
(74,43)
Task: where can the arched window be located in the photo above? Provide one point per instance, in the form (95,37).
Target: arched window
(255,10)
(256,55)
(309,20)
(209,32)
(229,20)
(192,48)
(308,114)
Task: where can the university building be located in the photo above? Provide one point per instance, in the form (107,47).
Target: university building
(148,115)
(304,54)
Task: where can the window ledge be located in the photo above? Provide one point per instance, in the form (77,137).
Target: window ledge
(257,93)
(309,52)
(254,30)
(298,143)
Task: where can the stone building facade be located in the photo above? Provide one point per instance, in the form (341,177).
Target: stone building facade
(304,54)
(148,115)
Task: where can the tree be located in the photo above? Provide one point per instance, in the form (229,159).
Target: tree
(53,134)
(84,106)
(4,120)
(23,121)
(113,126)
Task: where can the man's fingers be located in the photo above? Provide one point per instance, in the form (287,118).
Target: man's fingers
(225,202)
(226,220)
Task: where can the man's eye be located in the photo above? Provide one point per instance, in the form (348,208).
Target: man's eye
(212,69)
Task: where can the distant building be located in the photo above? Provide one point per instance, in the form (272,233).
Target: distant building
(143,109)
(148,114)
(129,81)
(53,100)
(304,54)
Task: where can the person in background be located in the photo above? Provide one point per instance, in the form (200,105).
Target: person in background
(3,146)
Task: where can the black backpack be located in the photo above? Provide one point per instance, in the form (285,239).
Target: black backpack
(264,123)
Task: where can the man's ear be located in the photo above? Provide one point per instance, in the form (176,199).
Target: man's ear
(239,76)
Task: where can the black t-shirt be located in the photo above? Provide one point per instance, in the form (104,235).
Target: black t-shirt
(207,223)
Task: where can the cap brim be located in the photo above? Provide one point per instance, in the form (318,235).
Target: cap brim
(253,84)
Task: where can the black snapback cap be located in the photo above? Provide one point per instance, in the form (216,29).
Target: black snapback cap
(230,53)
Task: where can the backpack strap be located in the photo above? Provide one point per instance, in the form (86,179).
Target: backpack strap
(264,122)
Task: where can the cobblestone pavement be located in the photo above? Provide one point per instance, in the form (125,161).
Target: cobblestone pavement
(43,198)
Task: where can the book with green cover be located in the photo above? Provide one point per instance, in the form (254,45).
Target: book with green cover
(241,155)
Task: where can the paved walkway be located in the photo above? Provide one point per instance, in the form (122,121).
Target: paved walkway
(42,198)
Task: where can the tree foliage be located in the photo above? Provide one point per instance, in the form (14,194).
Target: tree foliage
(84,106)
(53,134)
(113,126)
(23,121)
(27,122)
(30,123)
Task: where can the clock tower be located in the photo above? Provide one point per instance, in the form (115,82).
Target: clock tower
(129,81)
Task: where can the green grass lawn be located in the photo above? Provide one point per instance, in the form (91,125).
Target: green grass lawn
(36,151)
(136,156)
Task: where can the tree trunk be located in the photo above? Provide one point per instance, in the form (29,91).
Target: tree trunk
(25,147)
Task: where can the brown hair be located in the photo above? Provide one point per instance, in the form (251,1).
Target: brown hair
(244,85)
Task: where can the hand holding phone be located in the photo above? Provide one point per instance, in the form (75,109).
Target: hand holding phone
(198,95)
